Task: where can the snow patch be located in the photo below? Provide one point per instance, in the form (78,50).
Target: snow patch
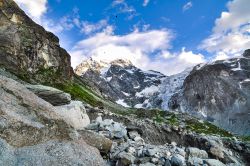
(148,91)
(126,94)
(121,102)
(104,70)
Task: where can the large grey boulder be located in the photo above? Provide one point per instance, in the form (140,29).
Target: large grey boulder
(26,119)
(195,152)
(52,95)
(57,153)
(74,114)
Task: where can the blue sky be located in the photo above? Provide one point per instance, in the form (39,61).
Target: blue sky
(164,35)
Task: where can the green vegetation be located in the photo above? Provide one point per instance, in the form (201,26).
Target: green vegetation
(81,93)
(245,138)
(206,128)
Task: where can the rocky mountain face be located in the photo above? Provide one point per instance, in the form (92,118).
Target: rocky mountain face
(122,82)
(210,91)
(29,51)
(220,93)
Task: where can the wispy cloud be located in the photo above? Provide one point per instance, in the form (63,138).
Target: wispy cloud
(145,2)
(187,6)
(122,7)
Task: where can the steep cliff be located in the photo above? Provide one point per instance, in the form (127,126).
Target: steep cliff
(29,51)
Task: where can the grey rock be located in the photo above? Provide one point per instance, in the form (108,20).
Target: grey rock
(51,153)
(74,114)
(147,164)
(27,119)
(177,160)
(52,95)
(247,53)
(195,152)
(151,152)
(126,158)
(194,161)
(98,141)
(167,163)
(133,134)
(213,162)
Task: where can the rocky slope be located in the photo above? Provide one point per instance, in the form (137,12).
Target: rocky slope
(122,82)
(29,51)
(220,93)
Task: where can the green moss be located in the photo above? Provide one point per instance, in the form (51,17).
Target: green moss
(80,93)
(172,120)
(206,128)
(245,138)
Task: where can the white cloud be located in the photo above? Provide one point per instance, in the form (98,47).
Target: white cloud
(187,6)
(139,48)
(145,2)
(34,8)
(231,33)
(122,7)
(88,28)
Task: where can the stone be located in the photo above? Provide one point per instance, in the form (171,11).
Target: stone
(217,152)
(180,151)
(51,153)
(195,152)
(98,141)
(193,161)
(27,119)
(133,134)
(74,114)
(131,150)
(213,162)
(126,158)
(52,95)
(150,152)
(167,163)
(147,164)
(177,160)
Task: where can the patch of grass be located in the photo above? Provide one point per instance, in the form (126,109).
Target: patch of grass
(80,93)
(206,128)
(245,138)
(172,120)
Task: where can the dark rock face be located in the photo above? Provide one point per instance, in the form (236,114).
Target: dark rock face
(120,80)
(220,92)
(29,51)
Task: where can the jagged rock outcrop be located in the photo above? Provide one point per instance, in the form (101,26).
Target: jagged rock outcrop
(122,82)
(52,95)
(29,51)
(220,93)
